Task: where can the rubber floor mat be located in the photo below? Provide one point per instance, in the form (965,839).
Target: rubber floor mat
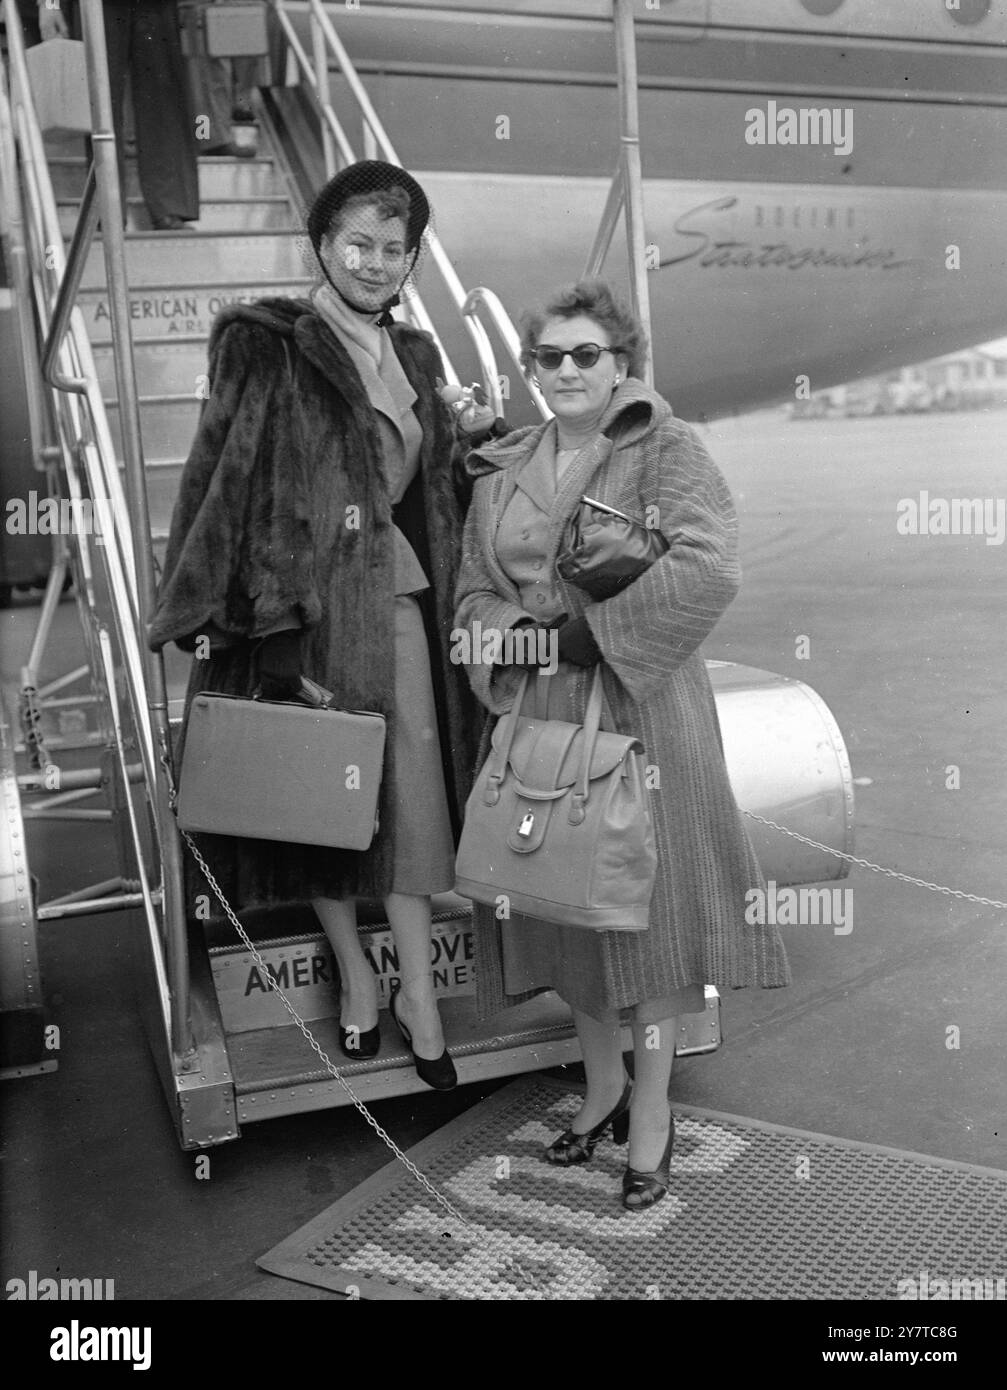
(754,1211)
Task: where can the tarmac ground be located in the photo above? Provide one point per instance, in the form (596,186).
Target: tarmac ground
(906,644)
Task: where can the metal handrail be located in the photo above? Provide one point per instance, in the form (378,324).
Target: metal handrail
(482,298)
(129,569)
(318,76)
(318,86)
(83,234)
(611,213)
(632,176)
(17,258)
(625,193)
(332,122)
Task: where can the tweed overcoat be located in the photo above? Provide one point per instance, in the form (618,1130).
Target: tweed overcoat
(284,518)
(653,466)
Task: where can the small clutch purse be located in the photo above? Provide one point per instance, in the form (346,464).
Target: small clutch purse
(607,550)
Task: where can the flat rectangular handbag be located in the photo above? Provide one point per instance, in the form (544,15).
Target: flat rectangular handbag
(558,825)
(57,71)
(273,770)
(222,29)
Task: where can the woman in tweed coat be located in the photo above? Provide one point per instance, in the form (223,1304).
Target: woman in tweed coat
(617,441)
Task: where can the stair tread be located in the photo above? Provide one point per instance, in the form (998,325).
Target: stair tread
(225,200)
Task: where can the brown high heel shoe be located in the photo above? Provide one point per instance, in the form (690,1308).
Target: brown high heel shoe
(571,1147)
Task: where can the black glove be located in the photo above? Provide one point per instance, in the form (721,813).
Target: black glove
(279,658)
(525,654)
(577,644)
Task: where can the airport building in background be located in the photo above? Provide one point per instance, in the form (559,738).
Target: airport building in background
(973,379)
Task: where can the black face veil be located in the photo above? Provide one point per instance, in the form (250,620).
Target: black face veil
(369,176)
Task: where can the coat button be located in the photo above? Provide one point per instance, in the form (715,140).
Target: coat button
(541,598)
(526,535)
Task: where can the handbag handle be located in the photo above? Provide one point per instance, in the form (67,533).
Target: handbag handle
(592,723)
(498,763)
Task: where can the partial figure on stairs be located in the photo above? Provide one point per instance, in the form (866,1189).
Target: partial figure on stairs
(145,51)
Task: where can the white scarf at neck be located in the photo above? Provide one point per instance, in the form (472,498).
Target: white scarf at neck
(362,329)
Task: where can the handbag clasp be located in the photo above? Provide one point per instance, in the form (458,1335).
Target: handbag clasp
(527,821)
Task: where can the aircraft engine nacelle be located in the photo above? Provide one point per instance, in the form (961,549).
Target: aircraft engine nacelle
(788,763)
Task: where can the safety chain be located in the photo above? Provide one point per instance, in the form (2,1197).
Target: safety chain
(486,1237)
(877,868)
(490,1238)
(311,1040)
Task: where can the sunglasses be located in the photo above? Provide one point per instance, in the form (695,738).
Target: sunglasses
(584,355)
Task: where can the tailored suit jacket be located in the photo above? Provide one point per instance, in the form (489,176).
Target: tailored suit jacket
(657,686)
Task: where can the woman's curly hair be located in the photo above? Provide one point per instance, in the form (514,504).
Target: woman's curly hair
(594,300)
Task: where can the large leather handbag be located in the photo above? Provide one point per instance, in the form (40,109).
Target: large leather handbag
(558,824)
(606,549)
(276,770)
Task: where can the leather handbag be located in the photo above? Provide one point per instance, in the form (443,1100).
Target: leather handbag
(276,770)
(57,72)
(558,824)
(607,549)
(218,29)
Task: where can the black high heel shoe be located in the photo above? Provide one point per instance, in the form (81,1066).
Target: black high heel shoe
(439,1073)
(359,1046)
(571,1148)
(649,1187)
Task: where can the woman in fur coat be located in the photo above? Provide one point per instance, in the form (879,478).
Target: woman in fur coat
(317,533)
(618,442)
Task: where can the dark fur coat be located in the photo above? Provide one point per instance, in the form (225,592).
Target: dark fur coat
(287,446)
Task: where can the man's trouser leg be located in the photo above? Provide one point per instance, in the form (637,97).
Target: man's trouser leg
(165,135)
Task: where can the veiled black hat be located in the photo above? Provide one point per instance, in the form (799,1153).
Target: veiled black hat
(368,176)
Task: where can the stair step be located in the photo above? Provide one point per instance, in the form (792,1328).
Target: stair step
(303,963)
(183,308)
(162,368)
(271,212)
(219,177)
(167,427)
(169,259)
(162,489)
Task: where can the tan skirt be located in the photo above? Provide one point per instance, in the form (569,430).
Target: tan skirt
(424,845)
(570,960)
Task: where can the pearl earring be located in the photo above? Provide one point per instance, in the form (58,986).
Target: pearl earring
(617,380)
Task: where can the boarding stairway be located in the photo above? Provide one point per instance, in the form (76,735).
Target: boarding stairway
(242,247)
